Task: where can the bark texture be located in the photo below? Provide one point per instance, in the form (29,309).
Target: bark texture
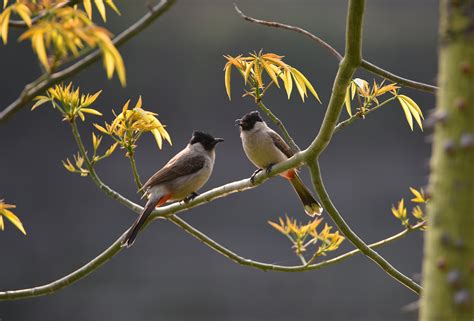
(448,267)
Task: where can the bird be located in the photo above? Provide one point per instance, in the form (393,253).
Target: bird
(179,179)
(265,148)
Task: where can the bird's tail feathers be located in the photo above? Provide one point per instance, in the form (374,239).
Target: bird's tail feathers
(137,225)
(310,205)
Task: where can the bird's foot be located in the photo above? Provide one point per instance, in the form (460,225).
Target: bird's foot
(190,197)
(269,168)
(252,178)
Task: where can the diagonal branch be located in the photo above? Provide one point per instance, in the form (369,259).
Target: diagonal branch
(364,63)
(45,81)
(353,237)
(351,60)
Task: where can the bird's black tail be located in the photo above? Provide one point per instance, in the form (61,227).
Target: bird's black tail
(133,231)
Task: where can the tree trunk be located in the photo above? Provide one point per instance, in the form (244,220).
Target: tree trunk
(448,267)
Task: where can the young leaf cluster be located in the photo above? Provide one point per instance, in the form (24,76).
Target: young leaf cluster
(10,216)
(368,98)
(69,101)
(130,124)
(253,67)
(400,211)
(63,32)
(304,235)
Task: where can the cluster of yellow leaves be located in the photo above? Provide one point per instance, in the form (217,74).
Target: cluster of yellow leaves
(69,102)
(368,98)
(304,235)
(400,211)
(5,212)
(68,31)
(130,124)
(252,68)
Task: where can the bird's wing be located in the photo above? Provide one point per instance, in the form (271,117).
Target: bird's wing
(281,144)
(180,165)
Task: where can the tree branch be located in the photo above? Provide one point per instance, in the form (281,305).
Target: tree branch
(349,63)
(45,81)
(364,63)
(294,147)
(353,237)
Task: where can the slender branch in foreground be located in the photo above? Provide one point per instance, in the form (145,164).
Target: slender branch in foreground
(294,147)
(136,176)
(110,252)
(364,63)
(353,237)
(45,81)
(349,63)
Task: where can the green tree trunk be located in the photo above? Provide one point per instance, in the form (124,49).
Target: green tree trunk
(448,267)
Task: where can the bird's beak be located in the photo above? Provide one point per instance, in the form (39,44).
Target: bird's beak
(238,122)
(218,140)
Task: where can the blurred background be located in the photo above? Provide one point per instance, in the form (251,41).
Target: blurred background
(176,65)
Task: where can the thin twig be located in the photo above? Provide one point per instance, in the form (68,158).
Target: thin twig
(136,176)
(359,115)
(364,63)
(45,81)
(294,147)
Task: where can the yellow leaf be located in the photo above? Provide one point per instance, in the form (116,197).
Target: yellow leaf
(111,150)
(248,69)
(387,88)
(139,102)
(417,212)
(413,104)
(5,21)
(111,4)
(159,140)
(288,81)
(407,112)
(100,128)
(307,83)
(363,86)
(14,220)
(348,101)
(419,197)
(24,12)
(228,71)
(38,45)
(88,7)
(109,63)
(81,115)
(165,135)
(412,109)
(101,7)
(91,111)
(2,225)
(277,227)
(271,73)
(299,85)
(41,101)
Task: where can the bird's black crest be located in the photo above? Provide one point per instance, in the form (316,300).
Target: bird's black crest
(248,120)
(206,140)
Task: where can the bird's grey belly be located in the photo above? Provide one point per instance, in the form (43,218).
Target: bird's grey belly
(262,152)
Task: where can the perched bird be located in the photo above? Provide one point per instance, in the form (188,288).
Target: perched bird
(265,148)
(179,179)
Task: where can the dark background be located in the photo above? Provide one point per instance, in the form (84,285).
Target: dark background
(176,65)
